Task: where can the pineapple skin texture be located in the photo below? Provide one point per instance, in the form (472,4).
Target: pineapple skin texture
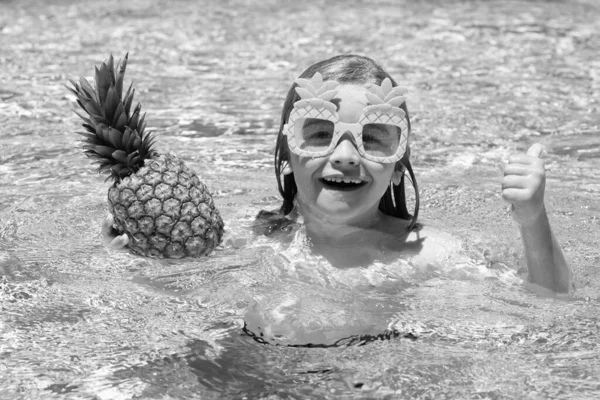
(166,211)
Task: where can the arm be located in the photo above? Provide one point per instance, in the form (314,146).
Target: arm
(523,186)
(545,261)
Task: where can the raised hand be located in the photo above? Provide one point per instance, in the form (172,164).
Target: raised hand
(110,236)
(524,183)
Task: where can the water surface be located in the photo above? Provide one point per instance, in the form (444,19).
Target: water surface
(486,78)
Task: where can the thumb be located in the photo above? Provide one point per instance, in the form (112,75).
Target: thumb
(535,150)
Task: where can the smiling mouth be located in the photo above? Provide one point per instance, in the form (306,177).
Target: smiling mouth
(342,183)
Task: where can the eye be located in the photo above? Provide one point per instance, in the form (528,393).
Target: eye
(381,138)
(317,129)
(380,132)
(320,134)
(369,137)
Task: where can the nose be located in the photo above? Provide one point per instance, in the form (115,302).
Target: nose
(345,153)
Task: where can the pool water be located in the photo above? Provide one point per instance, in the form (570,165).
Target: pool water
(487,80)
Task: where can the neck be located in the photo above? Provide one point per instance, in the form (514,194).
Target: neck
(333,230)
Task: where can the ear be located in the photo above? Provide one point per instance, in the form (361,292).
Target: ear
(397,176)
(287,169)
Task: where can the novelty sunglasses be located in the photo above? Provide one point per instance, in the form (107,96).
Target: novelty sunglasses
(314,129)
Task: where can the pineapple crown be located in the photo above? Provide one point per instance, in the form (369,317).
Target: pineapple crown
(386,98)
(115,136)
(317,93)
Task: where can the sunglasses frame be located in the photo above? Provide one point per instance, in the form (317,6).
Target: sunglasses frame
(377,114)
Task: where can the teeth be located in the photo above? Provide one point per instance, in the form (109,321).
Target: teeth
(342,179)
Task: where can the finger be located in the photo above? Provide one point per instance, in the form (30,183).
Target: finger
(107,225)
(517,169)
(119,242)
(523,159)
(515,182)
(536,150)
(515,195)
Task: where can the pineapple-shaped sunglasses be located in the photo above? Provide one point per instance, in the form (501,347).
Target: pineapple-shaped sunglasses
(314,129)
(162,206)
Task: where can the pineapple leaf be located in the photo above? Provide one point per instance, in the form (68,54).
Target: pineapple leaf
(73,89)
(148,142)
(87,89)
(134,160)
(133,121)
(102,151)
(396,101)
(120,156)
(121,122)
(373,98)
(306,84)
(90,138)
(317,78)
(85,119)
(75,85)
(126,140)
(327,86)
(330,106)
(111,104)
(328,95)
(117,170)
(104,166)
(397,91)
(82,98)
(103,133)
(138,108)
(89,128)
(121,66)
(303,93)
(92,108)
(110,65)
(386,86)
(141,125)
(114,137)
(128,99)
(120,118)
(102,83)
(376,90)
(137,142)
(316,103)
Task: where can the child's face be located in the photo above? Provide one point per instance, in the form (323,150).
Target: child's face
(343,186)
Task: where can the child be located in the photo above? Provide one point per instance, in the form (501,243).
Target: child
(341,163)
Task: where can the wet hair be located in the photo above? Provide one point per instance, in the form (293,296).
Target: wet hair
(351,69)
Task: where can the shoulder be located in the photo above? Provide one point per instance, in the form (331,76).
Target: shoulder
(275,224)
(434,244)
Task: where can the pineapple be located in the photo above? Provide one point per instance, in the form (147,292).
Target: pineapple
(162,206)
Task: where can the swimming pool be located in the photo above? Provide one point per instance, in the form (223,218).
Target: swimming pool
(79,321)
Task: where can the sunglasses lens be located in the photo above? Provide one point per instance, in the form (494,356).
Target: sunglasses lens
(381,140)
(314,134)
